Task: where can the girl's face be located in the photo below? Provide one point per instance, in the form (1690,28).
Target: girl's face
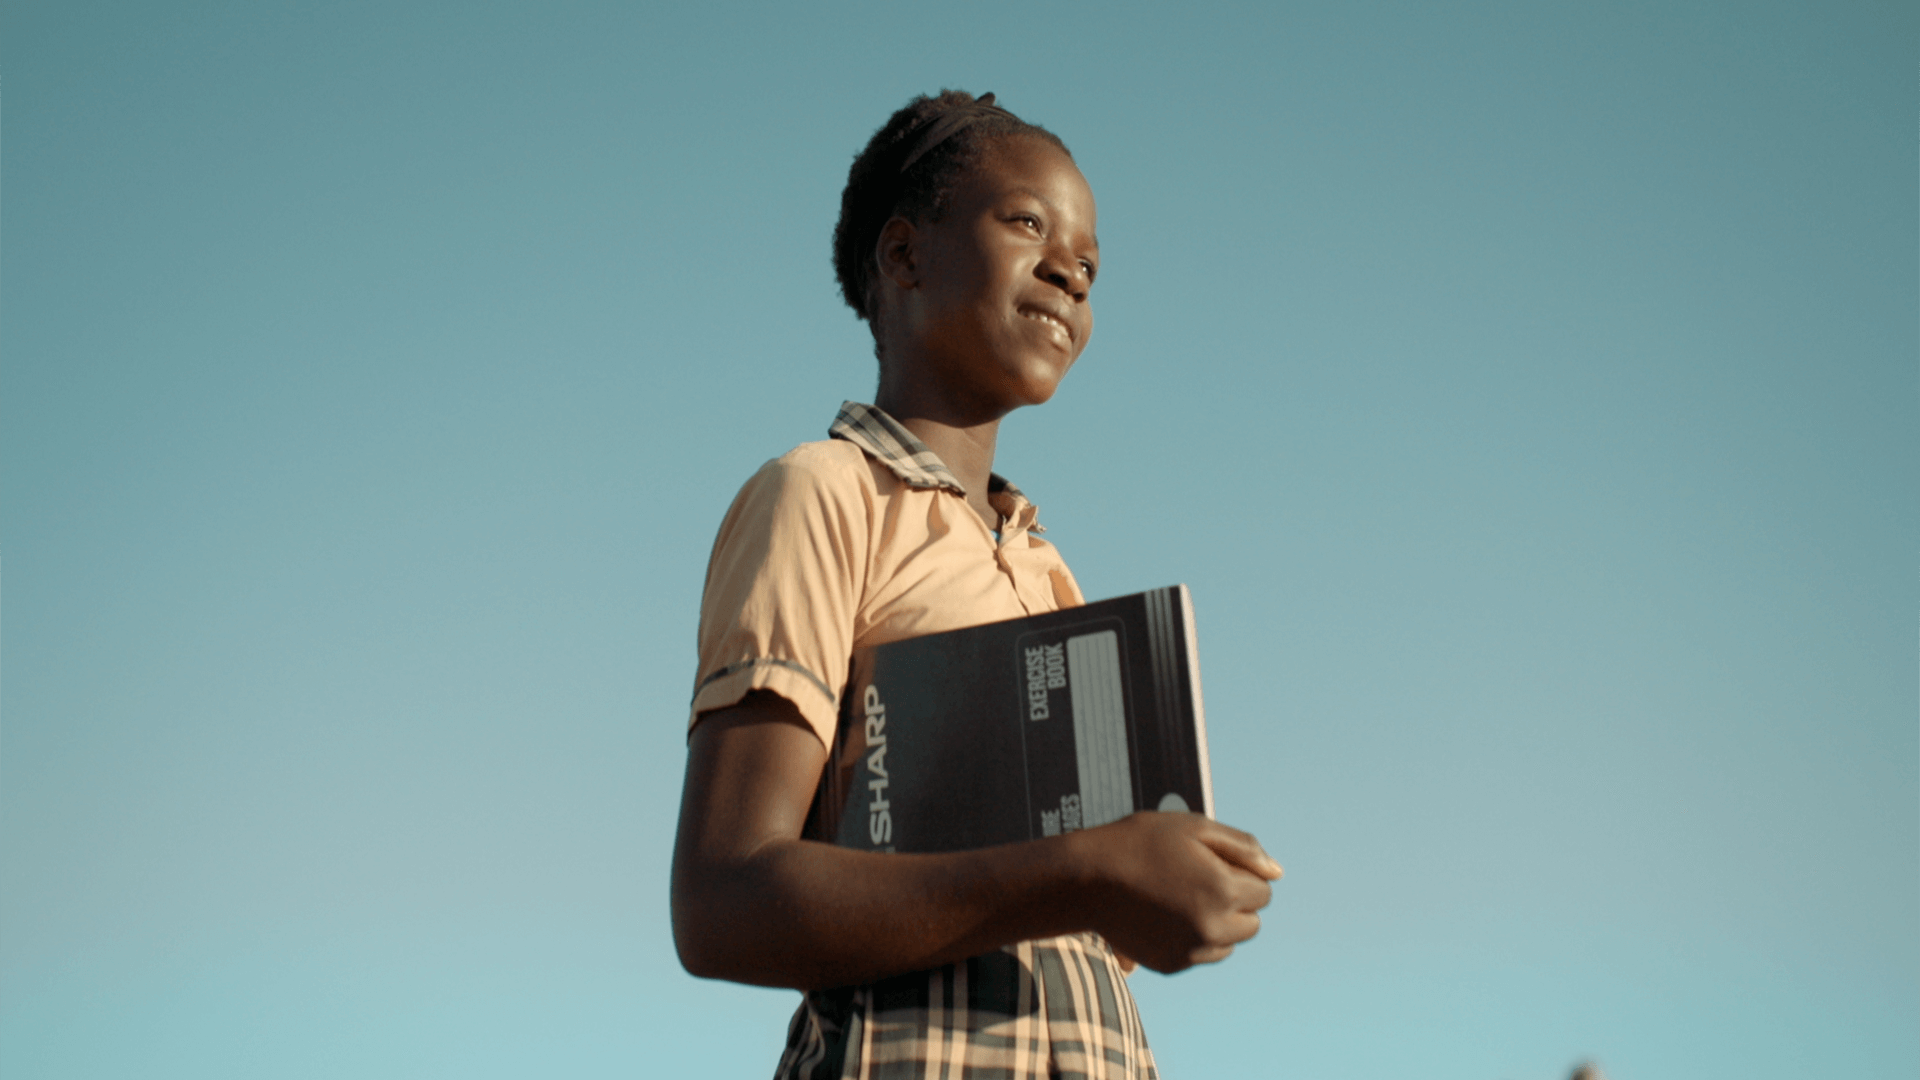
(999,310)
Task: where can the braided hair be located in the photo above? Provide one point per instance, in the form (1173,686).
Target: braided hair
(910,169)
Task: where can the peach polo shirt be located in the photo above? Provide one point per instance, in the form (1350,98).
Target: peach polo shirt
(858,540)
(863,539)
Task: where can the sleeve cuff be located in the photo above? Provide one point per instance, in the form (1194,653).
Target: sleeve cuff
(818,706)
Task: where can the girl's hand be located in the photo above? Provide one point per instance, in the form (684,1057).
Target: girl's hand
(1178,889)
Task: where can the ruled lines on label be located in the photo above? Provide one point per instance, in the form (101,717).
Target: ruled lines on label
(1100,728)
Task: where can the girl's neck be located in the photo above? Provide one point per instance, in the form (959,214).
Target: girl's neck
(964,444)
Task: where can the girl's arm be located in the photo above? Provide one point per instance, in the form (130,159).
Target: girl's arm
(754,903)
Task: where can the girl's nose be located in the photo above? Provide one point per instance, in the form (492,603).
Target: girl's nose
(1061,268)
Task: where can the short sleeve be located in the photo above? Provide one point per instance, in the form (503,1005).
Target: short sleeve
(784,584)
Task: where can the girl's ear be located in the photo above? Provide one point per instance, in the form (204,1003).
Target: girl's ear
(897,252)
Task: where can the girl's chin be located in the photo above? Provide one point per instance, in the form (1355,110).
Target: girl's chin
(1011,383)
(1043,378)
(1032,380)
(1037,391)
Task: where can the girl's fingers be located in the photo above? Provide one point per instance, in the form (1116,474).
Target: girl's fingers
(1252,895)
(1243,851)
(1245,925)
(1213,955)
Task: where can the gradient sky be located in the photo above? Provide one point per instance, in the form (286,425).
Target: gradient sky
(1527,392)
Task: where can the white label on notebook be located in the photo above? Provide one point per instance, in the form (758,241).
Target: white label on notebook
(1100,728)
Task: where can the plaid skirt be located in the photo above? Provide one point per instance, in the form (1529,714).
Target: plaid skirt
(1058,1007)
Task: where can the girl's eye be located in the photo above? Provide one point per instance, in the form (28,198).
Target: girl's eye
(1029,221)
(1092,272)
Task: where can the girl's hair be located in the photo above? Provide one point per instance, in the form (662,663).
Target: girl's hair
(897,175)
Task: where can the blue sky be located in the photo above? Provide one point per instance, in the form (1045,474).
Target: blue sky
(1526,391)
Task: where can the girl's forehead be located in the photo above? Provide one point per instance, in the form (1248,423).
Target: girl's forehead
(1024,152)
(1026,162)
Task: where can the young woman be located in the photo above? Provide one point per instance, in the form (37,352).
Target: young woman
(966,240)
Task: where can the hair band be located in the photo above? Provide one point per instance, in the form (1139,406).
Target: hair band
(945,125)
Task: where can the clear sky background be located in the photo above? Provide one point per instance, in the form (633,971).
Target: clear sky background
(1526,390)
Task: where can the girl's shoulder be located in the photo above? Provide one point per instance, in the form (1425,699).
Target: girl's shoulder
(827,458)
(828,472)
(828,465)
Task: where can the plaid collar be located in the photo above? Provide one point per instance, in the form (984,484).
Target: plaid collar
(892,445)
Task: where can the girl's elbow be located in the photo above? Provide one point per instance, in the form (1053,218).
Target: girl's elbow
(698,960)
(697,940)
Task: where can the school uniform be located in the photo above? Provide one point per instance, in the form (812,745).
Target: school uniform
(859,540)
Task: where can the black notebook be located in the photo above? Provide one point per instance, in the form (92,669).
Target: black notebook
(1019,729)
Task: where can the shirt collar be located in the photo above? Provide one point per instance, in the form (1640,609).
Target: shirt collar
(891,444)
